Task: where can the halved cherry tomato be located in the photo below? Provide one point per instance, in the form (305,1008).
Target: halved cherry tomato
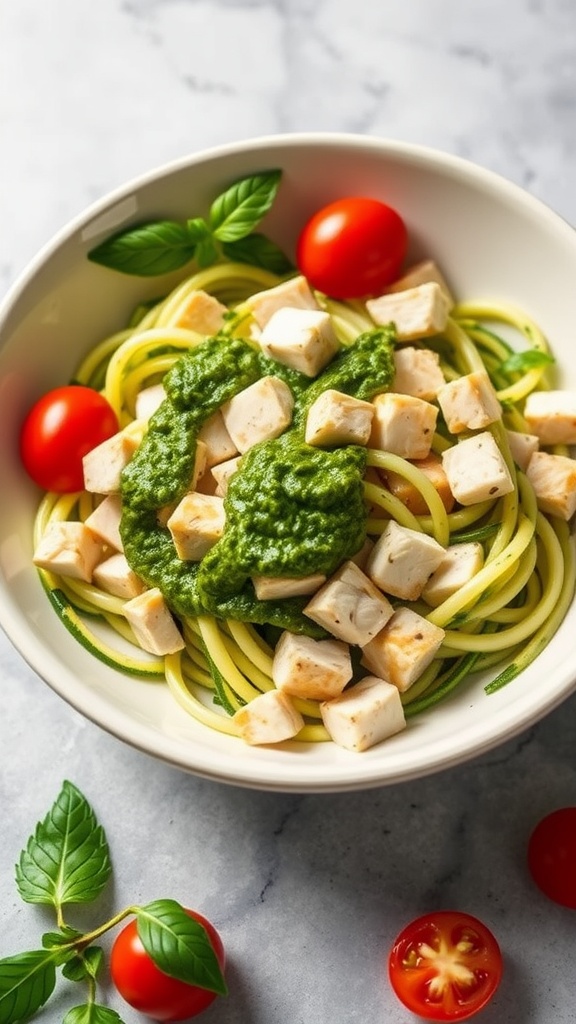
(147,989)
(63,426)
(352,248)
(552,856)
(445,965)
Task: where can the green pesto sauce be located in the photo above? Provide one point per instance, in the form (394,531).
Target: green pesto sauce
(291,509)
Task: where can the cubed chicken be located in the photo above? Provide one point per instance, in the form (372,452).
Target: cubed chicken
(104,521)
(422,273)
(403,425)
(202,313)
(269,718)
(367,713)
(294,293)
(196,524)
(219,444)
(68,549)
(460,564)
(349,606)
(410,496)
(477,470)
(153,624)
(553,478)
(272,588)
(222,474)
(199,464)
(418,312)
(551,415)
(259,412)
(403,649)
(303,339)
(403,560)
(522,447)
(469,402)
(338,419)
(148,400)
(417,372)
(104,464)
(311,669)
(115,576)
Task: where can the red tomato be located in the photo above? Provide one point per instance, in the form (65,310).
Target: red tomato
(552,856)
(352,248)
(445,965)
(59,430)
(147,989)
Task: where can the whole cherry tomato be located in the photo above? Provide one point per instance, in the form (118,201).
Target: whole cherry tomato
(552,856)
(147,989)
(63,426)
(445,966)
(352,248)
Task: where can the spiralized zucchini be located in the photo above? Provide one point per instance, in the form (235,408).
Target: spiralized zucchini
(499,621)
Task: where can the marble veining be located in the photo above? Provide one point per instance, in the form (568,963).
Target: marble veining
(308,891)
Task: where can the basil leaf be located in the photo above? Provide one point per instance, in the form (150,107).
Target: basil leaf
(26,982)
(259,251)
(206,252)
(92,1013)
(67,859)
(197,229)
(155,248)
(84,965)
(240,208)
(179,945)
(531,359)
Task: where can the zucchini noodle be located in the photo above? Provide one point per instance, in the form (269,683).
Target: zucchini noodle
(501,618)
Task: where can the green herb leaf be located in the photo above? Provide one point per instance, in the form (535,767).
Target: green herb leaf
(521,362)
(198,230)
(84,965)
(67,859)
(239,209)
(259,251)
(26,982)
(179,945)
(206,252)
(155,248)
(92,1013)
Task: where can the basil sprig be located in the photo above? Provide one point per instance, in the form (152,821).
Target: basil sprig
(161,246)
(67,860)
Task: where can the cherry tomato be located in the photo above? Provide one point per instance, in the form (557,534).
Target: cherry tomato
(445,965)
(552,856)
(63,426)
(352,248)
(147,989)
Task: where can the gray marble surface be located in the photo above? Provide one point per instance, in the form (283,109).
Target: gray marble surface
(307,891)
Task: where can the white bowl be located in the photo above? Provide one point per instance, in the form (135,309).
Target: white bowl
(492,239)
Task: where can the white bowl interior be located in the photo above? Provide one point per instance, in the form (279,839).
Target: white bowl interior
(492,240)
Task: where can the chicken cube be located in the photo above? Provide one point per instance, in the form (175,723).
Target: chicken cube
(522,447)
(148,400)
(551,415)
(403,560)
(153,624)
(202,313)
(303,339)
(553,478)
(311,669)
(477,470)
(295,293)
(196,524)
(403,425)
(418,312)
(104,464)
(259,412)
(469,402)
(68,549)
(410,496)
(367,713)
(115,576)
(403,649)
(269,718)
(417,372)
(337,419)
(219,445)
(421,273)
(222,473)
(271,588)
(349,606)
(104,521)
(460,564)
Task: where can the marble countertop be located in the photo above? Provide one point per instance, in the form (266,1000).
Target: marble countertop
(308,891)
